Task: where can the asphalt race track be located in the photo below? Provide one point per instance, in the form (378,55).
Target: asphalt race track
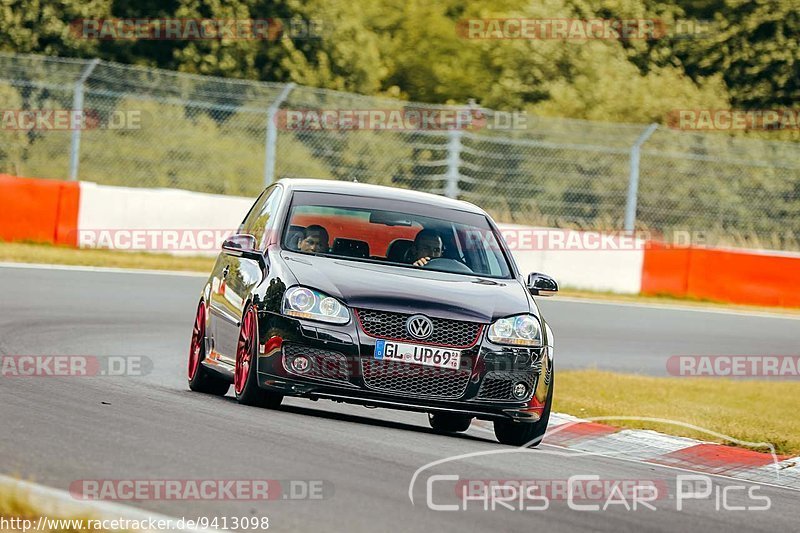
(56,430)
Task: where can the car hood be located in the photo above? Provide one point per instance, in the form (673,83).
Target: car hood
(410,290)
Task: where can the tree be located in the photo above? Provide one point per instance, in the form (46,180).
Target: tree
(755,47)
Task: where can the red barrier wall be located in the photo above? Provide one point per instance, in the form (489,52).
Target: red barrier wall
(742,277)
(665,270)
(737,276)
(39,210)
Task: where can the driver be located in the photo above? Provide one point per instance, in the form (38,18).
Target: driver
(314,240)
(427,245)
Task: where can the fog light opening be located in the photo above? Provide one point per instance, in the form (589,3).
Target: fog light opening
(300,364)
(520,390)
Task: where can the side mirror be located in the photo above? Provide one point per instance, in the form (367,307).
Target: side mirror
(541,285)
(244,245)
(240,245)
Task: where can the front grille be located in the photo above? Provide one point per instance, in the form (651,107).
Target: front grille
(414,380)
(324,364)
(386,325)
(498,385)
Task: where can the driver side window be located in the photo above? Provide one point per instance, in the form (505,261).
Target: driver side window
(261,216)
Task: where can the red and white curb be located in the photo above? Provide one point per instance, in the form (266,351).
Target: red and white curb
(759,464)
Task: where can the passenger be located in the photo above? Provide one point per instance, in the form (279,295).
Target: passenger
(427,245)
(314,240)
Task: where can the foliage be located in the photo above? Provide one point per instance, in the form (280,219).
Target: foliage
(411,48)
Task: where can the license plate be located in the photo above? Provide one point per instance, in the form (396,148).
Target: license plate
(416,354)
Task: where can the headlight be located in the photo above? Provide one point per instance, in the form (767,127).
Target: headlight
(521,330)
(314,305)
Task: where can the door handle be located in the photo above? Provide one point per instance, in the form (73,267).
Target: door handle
(225,271)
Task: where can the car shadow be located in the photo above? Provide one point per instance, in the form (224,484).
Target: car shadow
(358,419)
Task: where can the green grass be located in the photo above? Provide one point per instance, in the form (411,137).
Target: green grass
(747,410)
(17,252)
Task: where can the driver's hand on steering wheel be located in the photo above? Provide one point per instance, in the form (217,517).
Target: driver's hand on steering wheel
(422,261)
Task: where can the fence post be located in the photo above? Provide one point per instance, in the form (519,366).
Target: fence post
(453,162)
(633,177)
(270,144)
(77,111)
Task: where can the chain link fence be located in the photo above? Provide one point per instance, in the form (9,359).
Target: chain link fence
(155,128)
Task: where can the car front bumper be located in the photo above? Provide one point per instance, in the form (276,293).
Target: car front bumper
(344,369)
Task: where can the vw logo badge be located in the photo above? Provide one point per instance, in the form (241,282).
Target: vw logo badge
(419,326)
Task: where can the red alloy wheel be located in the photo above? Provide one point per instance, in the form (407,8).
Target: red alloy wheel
(244,350)
(198,338)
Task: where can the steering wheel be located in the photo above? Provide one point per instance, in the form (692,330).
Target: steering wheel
(448,265)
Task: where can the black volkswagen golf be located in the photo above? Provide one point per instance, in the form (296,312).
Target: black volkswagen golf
(376,296)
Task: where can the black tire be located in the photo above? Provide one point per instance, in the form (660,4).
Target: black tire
(200,378)
(449,423)
(256,396)
(521,433)
(251,393)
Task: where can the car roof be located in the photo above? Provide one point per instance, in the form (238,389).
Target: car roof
(377,191)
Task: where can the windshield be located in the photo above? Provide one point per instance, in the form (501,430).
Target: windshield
(398,233)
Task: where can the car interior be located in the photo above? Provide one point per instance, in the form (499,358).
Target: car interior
(397,250)
(387,238)
(350,248)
